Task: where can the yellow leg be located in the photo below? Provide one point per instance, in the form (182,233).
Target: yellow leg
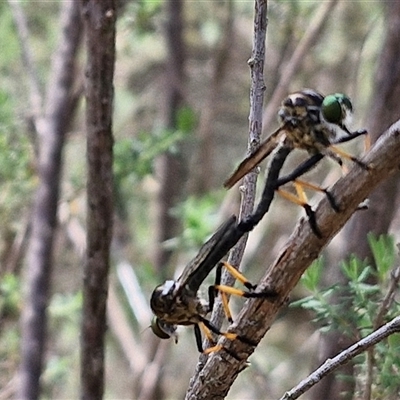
(206,331)
(301,200)
(367,142)
(230,290)
(225,291)
(309,185)
(225,304)
(208,335)
(235,273)
(291,197)
(212,349)
(341,153)
(301,194)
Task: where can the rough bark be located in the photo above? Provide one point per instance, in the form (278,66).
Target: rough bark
(170,167)
(51,128)
(384,110)
(99,19)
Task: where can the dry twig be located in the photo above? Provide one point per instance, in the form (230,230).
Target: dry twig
(248,189)
(331,364)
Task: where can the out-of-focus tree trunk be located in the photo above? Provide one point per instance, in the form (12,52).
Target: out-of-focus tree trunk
(171,174)
(51,128)
(100,27)
(384,110)
(203,166)
(170,167)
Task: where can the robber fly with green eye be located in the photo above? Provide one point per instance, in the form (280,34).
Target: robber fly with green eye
(313,123)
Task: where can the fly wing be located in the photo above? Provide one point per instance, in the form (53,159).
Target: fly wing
(197,270)
(251,161)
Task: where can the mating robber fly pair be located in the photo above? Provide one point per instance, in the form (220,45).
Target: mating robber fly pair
(308,121)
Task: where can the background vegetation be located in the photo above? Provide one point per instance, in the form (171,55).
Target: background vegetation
(156,232)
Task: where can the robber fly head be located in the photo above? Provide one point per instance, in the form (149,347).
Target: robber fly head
(337,109)
(161,302)
(163,298)
(163,330)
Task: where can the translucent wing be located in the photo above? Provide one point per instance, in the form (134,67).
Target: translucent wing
(251,161)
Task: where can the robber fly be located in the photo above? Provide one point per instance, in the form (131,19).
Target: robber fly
(313,123)
(178,303)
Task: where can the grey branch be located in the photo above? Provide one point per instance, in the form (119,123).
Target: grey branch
(331,364)
(248,188)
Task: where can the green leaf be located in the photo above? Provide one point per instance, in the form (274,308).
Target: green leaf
(384,251)
(186,120)
(10,295)
(354,268)
(312,277)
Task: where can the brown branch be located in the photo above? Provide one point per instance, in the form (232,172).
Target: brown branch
(171,168)
(52,132)
(99,20)
(133,351)
(331,364)
(302,248)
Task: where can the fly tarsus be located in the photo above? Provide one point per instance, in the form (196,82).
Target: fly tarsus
(312,221)
(266,294)
(332,201)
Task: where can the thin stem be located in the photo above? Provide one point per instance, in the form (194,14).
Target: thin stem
(343,357)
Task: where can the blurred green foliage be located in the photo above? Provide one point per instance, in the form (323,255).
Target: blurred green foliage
(61,374)
(134,157)
(198,215)
(16,166)
(343,59)
(356,308)
(10,296)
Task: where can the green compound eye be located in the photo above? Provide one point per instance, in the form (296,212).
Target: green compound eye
(157,329)
(163,330)
(335,107)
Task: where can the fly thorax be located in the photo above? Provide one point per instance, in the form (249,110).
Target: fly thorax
(164,297)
